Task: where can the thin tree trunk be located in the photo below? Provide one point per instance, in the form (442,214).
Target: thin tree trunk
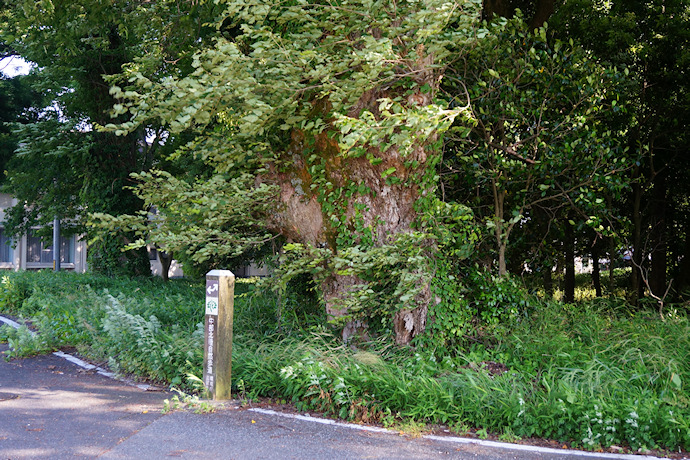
(548,282)
(166,259)
(612,259)
(659,250)
(500,231)
(596,277)
(636,280)
(684,268)
(569,281)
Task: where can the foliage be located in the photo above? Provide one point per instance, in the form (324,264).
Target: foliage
(334,109)
(58,151)
(593,376)
(16,101)
(22,342)
(651,40)
(539,141)
(217,218)
(471,307)
(389,277)
(64,167)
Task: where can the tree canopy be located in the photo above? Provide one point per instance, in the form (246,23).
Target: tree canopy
(386,147)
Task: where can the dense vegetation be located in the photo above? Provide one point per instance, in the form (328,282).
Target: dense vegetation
(592,375)
(424,173)
(377,152)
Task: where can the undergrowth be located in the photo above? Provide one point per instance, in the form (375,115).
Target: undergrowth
(593,374)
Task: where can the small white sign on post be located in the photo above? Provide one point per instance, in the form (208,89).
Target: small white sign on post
(212,289)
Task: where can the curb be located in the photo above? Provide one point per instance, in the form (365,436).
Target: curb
(459,440)
(325,421)
(83,364)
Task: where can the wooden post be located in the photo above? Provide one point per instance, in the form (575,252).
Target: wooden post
(220,290)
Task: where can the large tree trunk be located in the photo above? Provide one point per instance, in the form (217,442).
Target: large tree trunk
(388,208)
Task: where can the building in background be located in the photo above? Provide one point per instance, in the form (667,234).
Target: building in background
(30,253)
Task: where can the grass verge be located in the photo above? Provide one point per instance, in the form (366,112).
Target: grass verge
(592,375)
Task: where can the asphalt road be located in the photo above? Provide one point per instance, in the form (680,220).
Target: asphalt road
(52,409)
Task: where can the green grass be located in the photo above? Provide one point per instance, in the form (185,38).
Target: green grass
(593,374)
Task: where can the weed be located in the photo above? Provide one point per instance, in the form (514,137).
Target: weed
(482,434)
(411,428)
(22,343)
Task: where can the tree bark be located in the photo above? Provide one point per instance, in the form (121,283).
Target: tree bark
(500,230)
(389,209)
(569,249)
(684,267)
(613,257)
(539,11)
(166,261)
(637,250)
(548,282)
(659,246)
(596,276)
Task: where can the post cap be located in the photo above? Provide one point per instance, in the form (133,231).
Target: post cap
(220,273)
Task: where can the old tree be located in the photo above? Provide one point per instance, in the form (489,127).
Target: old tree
(330,112)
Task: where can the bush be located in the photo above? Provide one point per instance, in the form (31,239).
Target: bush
(471,308)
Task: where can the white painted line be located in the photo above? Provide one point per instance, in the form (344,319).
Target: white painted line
(458,440)
(9,322)
(99,370)
(75,360)
(323,421)
(536,449)
(81,363)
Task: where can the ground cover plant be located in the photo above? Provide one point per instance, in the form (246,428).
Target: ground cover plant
(593,375)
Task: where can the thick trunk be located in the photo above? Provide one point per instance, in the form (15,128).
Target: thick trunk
(409,323)
(335,289)
(330,200)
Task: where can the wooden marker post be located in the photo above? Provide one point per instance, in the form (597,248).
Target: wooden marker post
(220,290)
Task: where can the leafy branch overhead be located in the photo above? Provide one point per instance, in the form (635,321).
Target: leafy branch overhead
(334,107)
(216,218)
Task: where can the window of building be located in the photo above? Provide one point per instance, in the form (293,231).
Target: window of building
(6,250)
(38,252)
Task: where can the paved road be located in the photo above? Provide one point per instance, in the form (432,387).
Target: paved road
(52,409)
